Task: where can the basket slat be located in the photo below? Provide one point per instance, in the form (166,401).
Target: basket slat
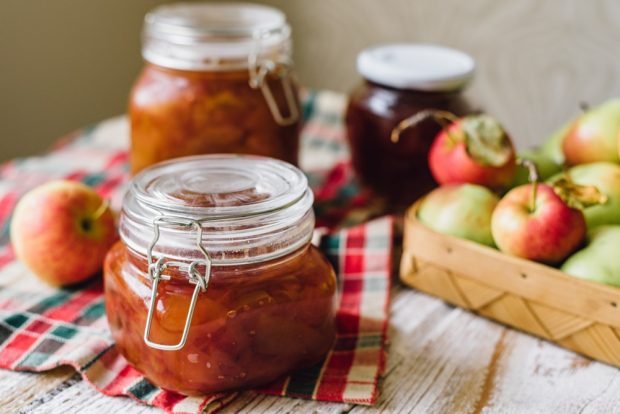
(478,295)
(559,324)
(598,341)
(513,310)
(435,279)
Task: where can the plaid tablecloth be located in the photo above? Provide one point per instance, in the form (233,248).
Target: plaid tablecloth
(43,327)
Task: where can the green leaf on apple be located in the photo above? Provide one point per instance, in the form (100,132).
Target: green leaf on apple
(486,140)
(576,195)
(606,177)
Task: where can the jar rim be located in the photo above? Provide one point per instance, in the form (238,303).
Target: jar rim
(229,173)
(242,208)
(215,19)
(213,36)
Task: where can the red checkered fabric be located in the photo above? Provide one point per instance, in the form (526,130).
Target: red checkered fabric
(42,327)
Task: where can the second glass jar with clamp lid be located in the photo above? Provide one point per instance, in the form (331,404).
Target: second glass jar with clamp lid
(218,79)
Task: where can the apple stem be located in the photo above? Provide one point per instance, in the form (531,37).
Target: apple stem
(533,200)
(584,106)
(102,209)
(532,178)
(441,117)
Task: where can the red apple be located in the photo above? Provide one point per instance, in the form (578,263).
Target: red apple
(62,231)
(540,227)
(594,136)
(476,150)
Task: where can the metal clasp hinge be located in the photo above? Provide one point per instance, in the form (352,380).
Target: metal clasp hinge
(156,268)
(258,72)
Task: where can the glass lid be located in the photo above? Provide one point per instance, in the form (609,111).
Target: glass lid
(214,36)
(220,185)
(224,19)
(247,207)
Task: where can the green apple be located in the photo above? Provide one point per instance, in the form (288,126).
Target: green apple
(460,210)
(605,176)
(545,165)
(599,261)
(552,148)
(594,135)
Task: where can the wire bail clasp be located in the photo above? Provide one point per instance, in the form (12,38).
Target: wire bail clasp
(155,272)
(282,68)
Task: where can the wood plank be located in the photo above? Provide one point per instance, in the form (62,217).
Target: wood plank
(18,389)
(430,371)
(253,403)
(535,376)
(82,398)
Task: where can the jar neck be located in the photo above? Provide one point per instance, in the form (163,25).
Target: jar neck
(139,266)
(217,54)
(275,83)
(242,75)
(258,61)
(233,241)
(415,94)
(215,36)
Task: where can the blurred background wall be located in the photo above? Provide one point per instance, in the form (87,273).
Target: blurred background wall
(65,64)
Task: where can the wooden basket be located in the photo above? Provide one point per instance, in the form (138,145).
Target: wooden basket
(576,314)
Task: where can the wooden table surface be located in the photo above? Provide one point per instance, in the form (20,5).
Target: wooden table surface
(441,359)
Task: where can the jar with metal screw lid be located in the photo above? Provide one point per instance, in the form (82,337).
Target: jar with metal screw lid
(389,153)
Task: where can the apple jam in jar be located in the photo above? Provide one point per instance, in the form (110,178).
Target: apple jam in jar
(401,81)
(218,79)
(214,284)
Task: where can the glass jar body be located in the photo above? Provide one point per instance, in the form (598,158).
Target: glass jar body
(175,113)
(399,170)
(253,324)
